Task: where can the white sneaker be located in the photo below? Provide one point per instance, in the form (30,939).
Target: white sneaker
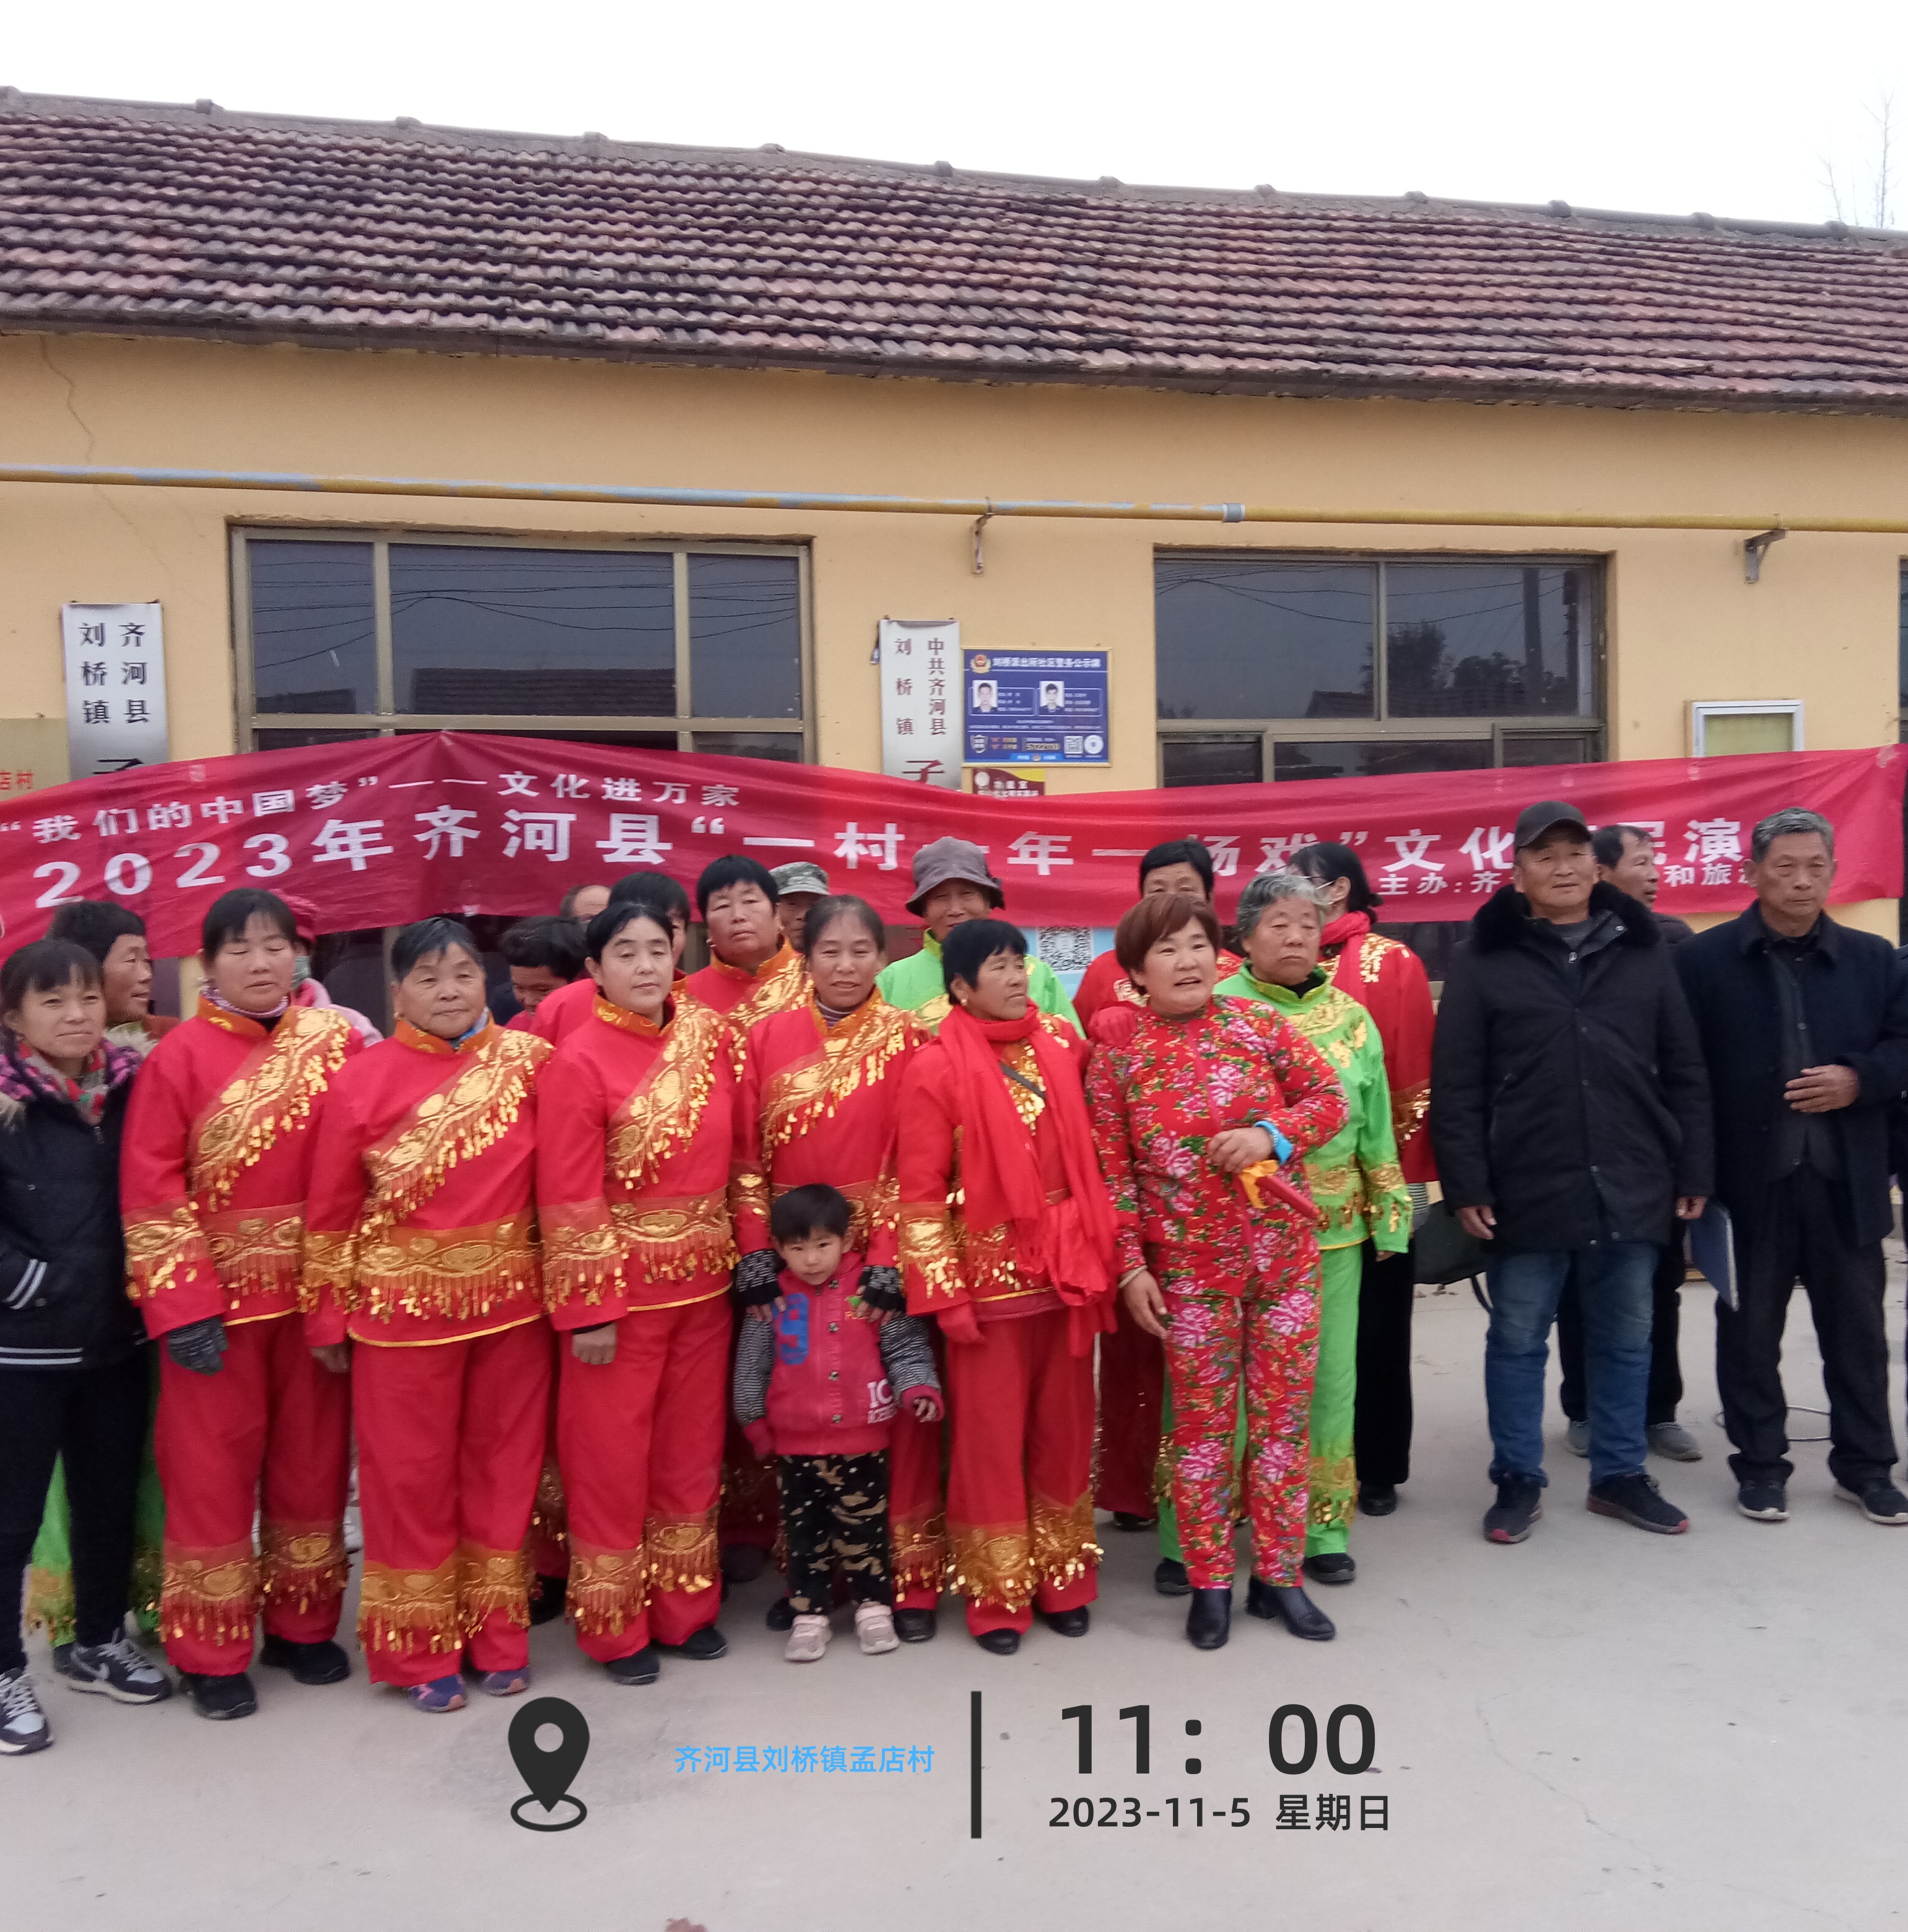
(23,1726)
(354,1530)
(807,1639)
(1576,1438)
(874,1626)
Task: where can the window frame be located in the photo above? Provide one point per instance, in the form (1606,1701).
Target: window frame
(1704,708)
(387,722)
(1494,729)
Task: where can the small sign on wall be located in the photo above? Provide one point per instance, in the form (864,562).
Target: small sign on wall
(997,782)
(920,667)
(1037,708)
(116,687)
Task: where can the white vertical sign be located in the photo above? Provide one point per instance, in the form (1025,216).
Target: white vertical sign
(921,714)
(116,687)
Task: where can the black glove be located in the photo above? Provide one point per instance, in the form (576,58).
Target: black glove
(881,1288)
(199,1345)
(757,1279)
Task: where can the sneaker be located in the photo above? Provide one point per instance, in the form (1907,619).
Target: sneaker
(1671,1439)
(1519,1503)
(220,1698)
(1762,1502)
(23,1725)
(641,1666)
(119,1670)
(1880,1502)
(1331,1569)
(505,1683)
(322,1663)
(808,1639)
(1576,1438)
(440,1694)
(702,1646)
(875,1627)
(1637,1499)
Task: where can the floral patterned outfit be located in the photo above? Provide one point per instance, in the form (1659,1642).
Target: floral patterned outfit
(1241,1281)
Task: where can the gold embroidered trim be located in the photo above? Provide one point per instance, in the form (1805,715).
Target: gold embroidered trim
(1409,1105)
(781,983)
(608,1588)
(212,1595)
(160,1241)
(1334,1493)
(664,1111)
(459,1273)
(256,1250)
(329,1266)
(681,1552)
(670,1240)
(582,1252)
(303,1563)
(919,1555)
(399,1609)
(272,1093)
(492,1582)
(993,1563)
(931,1247)
(1063,1541)
(856,1054)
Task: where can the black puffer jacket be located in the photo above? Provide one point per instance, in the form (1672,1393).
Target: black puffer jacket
(63,1302)
(1568,1093)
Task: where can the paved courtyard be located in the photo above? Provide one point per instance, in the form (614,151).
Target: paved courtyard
(1597,1728)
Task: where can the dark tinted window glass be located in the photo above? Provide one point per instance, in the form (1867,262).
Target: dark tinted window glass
(1239,637)
(314,627)
(1204,761)
(1539,748)
(785,747)
(1385,758)
(589,633)
(286,741)
(746,637)
(1486,640)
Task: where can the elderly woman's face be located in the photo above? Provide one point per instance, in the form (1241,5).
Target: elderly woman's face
(1180,971)
(1282,948)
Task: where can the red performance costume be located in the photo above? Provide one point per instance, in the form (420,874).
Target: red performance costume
(420,1247)
(1387,980)
(781,981)
(1241,1282)
(560,1013)
(1019,1278)
(822,1105)
(636,1134)
(213,1184)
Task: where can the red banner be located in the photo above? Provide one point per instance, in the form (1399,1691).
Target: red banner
(383,830)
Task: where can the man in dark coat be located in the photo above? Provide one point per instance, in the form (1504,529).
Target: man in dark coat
(1570,1115)
(1804,1024)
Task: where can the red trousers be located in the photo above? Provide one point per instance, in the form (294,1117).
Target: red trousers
(1133,1375)
(450,1446)
(640,1443)
(917,1518)
(1019,1507)
(269,1433)
(549,1546)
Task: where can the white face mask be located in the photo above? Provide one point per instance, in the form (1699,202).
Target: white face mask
(301,970)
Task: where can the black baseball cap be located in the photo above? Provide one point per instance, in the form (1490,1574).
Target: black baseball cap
(1536,819)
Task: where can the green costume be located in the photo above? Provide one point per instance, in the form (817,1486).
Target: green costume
(916,985)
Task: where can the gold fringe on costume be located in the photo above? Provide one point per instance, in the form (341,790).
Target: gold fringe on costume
(856,1054)
(1409,1105)
(212,1595)
(398,1609)
(1334,1482)
(665,1240)
(457,1272)
(256,1251)
(49,1603)
(582,1252)
(160,1241)
(609,1588)
(1063,1545)
(550,1515)
(303,1563)
(930,1245)
(490,1582)
(917,1548)
(664,1111)
(993,1563)
(330,1266)
(680,1552)
(272,1093)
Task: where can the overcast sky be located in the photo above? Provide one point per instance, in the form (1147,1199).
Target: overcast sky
(1662,105)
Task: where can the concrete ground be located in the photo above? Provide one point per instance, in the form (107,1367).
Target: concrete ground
(1597,1729)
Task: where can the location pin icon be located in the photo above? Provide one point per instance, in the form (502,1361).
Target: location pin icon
(549,1773)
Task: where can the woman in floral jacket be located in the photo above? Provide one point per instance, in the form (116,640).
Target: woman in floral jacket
(1202,1109)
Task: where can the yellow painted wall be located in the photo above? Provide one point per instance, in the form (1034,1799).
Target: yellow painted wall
(1682,623)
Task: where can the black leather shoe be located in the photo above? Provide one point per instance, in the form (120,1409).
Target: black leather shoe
(1068,1623)
(546,1604)
(1001,1642)
(780,1614)
(1377,1498)
(1330,1569)
(702,1646)
(914,1626)
(1209,1621)
(645,1667)
(308,1663)
(1169,1577)
(220,1697)
(1291,1607)
(1125,1519)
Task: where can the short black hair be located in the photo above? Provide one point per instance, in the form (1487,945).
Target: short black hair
(1328,862)
(428,936)
(824,913)
(969,946)
(44,966)
(816,1210)
(231,912)
(98,925)
(655,888)
(1179,852)
(733,869)
(1607,842)
(554,943)
(617,914)
(566,906)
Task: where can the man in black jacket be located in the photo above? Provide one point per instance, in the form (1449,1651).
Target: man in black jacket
(1804,1024)
(1570,1115)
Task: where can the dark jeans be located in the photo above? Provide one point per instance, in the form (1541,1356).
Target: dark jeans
(835,1516)
(1381,1423)
(1800,1236)
(95,1419)
(1666,1368)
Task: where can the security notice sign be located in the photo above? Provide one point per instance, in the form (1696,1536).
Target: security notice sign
(920,662)
(116,687)
(1035,708)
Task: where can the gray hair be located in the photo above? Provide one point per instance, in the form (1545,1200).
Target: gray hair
(1269,888)
(1791,820)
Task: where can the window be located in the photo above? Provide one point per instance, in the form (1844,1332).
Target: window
(665,647)
(1721,730)
(1289,668)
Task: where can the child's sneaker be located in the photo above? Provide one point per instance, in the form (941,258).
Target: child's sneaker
(874,1626)
(807,1639)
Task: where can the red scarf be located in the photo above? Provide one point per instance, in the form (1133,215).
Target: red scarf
(1347,927)
(1071,1241)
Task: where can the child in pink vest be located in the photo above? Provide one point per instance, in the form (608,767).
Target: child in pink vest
(815,1378)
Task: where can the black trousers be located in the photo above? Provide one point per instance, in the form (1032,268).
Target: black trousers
(1800,1236)
(1666,1368)
(1381,1411)
(95,1419)
(835,1517)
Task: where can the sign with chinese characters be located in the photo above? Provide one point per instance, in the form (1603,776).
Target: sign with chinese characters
(116,687)
(383,830)
(920,662)
(1037,708)
(997,782)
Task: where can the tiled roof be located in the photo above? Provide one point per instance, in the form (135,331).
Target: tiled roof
(124,218)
